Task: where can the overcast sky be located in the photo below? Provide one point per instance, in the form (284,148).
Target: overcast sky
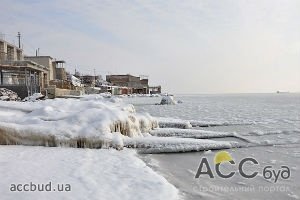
(201,46)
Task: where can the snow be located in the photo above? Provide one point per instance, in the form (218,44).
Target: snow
(91,173)
(34,97)
(75,81)
(4,98)
(63,120)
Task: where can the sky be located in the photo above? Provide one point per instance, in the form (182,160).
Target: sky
(190,46)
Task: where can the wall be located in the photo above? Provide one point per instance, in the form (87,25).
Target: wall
(53,92)
(61,74)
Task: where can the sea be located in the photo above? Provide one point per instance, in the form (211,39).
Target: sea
(271,121)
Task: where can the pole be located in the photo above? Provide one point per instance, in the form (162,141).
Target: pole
(19,38)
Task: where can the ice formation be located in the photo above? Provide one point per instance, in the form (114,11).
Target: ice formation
(99,121)
(170,145)
(189,133)
(86,122)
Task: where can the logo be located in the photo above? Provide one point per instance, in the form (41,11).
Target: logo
(223,158)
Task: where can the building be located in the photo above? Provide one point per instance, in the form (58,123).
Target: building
(56,67)
(133,83)
(9,52)
(60,71)
(24,77)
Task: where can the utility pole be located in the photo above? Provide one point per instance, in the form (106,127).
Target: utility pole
(19,38)
(37,52)
(94,77)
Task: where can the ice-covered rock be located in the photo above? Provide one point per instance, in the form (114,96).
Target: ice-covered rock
(168,100)
(179,101)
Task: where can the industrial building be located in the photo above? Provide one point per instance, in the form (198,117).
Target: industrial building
(134,83)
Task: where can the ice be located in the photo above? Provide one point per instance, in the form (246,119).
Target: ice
(173,123)
(189,133)
(196,123)
(165,122)
(155,144)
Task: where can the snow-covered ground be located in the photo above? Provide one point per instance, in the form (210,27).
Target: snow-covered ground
(90,173)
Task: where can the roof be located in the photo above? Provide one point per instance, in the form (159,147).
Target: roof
(23,64)
(38,57)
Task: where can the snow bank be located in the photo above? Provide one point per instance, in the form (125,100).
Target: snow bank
(92,174)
